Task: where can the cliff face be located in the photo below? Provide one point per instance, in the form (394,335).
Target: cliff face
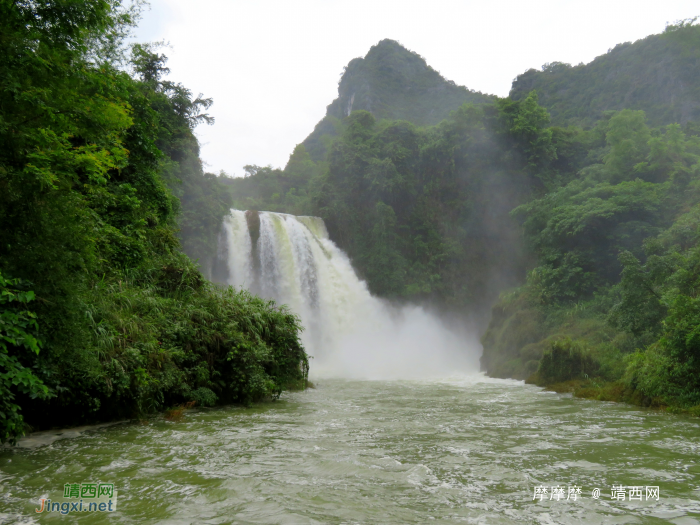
(659,74)
(391,82)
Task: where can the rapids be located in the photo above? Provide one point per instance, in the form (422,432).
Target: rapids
(459,450)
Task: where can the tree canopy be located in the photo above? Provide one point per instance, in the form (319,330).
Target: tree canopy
(100,185)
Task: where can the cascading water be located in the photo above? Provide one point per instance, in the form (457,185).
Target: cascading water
(349,332)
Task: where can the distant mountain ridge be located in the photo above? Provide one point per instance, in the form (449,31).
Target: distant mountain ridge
(392,83)
(659,74)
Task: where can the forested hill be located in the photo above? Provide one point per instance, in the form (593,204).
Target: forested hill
(394,83)
(659,74)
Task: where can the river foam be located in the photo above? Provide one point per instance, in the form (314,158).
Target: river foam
(466,449)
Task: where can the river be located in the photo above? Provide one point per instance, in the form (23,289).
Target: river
(459,450)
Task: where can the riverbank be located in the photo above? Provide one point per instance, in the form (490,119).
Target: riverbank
(47,437)
(616,391)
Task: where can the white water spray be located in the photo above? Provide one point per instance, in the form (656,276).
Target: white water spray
(349,332)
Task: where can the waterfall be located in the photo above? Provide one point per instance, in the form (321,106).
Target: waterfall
(349,332)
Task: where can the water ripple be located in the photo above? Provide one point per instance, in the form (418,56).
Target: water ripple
(465,450)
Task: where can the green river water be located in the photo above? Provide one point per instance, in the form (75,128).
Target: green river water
(461,450)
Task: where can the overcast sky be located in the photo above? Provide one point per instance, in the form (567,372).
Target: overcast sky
(272,67)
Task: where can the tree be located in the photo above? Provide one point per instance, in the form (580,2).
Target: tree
(19,346)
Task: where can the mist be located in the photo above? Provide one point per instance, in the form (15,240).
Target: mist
(348,332)
(405,342)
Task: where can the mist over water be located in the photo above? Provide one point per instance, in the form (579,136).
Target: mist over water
(349,333)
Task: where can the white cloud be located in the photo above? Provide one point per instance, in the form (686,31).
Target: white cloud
(272,66)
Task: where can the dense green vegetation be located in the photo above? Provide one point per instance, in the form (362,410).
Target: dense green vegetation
(424,211)
(658,74)
(392,83)
(439,194)
(615,249)
(408,204)
(589,233)
(101,314)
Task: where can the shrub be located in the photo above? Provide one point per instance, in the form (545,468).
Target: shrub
(204,397)
(563,361)
(18,350)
